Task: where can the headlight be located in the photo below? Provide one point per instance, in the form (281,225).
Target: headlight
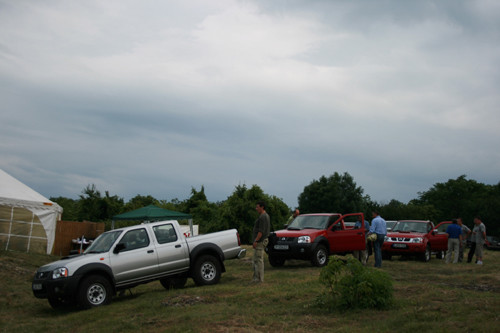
(59,273)
(417,240)
(304,239)
(386,239)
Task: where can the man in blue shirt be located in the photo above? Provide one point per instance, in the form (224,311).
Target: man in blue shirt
(362,255)
(378,227)
(454,232)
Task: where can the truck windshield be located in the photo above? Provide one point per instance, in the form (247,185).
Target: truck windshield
(104,242)
(411,227)
(309,222)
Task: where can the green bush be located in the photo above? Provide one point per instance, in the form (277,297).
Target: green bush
(352,285)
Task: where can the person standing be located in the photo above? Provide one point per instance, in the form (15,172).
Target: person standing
(454,232)
(463,243)
(378,227)
(260,239)
(479,235)
(362,255)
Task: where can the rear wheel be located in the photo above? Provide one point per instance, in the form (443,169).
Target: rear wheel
(320,256)
(206,270)
(95,290)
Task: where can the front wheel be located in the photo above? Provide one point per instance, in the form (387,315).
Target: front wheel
(94,291)
(206,270)
(426,256)
(320,256)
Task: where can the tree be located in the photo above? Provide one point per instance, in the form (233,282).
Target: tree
(238,211)
(337,193)
(93,207)
(69,206)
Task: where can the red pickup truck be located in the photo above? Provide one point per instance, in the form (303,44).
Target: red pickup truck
(314,237)
(417,238)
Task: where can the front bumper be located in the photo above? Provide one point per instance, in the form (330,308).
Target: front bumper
(44,287)
(403,248)
(291,250)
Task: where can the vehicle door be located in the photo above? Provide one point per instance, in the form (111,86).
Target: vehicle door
(136,258)
(438,238)
(173,253)
(342,239)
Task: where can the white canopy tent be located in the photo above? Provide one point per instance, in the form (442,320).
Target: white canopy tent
(27,219)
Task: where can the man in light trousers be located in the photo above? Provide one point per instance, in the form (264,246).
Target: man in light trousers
(260,239)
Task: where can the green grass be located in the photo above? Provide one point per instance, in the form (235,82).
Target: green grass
(429,297)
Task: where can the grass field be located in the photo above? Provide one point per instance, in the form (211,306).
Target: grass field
(430,297)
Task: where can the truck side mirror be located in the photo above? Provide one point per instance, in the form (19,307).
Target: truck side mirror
(337,227)
(119,247)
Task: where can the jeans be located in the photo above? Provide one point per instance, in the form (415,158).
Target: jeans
(377,248)
(453,246)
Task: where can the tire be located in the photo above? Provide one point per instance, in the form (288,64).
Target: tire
(206,270)
(276,261)
(94,291)
(440,255)
(426,256)
(173,282)
(320,256)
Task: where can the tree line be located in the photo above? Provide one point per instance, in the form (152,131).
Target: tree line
(339,193)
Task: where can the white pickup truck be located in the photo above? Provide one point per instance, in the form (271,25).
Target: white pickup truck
(123,258)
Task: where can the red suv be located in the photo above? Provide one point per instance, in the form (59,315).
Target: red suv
(418,238)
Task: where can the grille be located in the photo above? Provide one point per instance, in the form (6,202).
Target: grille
(42,275)
(399,239)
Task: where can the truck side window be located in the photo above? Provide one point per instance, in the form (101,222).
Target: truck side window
(135,239)
(165,233)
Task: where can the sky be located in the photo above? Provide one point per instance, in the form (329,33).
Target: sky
(160,97)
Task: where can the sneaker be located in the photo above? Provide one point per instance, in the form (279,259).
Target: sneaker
(479,262)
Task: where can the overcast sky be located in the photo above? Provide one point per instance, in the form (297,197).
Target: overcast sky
(158,97)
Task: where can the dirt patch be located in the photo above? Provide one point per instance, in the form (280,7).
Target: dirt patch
(184,300)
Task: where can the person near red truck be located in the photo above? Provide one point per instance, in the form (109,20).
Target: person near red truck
(362,255)
(479,235)
(454,232)
(379,228)
(261,231)
(463,243)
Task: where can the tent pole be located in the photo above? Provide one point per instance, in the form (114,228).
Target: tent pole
(191,226)
(112,224)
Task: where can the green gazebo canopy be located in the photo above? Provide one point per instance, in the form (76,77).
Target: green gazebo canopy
(152,213)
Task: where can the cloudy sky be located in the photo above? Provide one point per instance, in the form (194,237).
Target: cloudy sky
(158,97)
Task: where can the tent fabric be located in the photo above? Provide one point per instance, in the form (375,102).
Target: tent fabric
(152,213)
(27,219)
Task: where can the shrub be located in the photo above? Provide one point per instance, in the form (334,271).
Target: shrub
(352,285)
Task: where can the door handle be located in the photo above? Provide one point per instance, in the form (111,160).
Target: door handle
(178,246)
(151,251)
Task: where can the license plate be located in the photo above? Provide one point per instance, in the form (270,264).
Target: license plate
(400,246)
(281,247)
(37,286)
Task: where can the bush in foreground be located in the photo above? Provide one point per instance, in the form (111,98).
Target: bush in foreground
(351,285)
